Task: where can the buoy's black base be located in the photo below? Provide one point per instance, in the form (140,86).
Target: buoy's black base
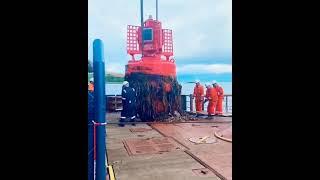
(153,101)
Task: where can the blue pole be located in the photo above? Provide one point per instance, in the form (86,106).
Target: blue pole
(90,136)
(100,108)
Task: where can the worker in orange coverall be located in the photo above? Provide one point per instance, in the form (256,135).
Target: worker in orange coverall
(212,97)
(91,85)
(198,94)
(219,109)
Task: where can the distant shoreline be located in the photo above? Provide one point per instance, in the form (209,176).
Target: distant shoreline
(110,78)
(117,78)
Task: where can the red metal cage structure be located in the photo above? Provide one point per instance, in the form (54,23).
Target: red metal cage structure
(167,43)
(132,40)
(157,49)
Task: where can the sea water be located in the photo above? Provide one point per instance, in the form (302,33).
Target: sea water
(187,89)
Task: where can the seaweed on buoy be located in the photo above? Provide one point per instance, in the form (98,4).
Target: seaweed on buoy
(158,97)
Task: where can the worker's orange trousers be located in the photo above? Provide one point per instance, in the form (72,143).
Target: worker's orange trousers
(199,103)
(211,107)
(219,109)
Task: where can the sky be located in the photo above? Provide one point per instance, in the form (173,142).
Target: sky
(202,33)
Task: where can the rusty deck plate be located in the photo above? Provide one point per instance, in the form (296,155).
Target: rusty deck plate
(136,146)
(140,129)
(203,172)
(217,157)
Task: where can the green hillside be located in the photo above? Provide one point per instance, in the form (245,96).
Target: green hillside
(110,77)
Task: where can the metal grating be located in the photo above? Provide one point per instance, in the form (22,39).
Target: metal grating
(150,146)
(167,42)
(132,40)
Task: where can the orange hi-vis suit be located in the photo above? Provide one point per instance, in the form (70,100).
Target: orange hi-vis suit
(198,93)
(91,87)
(212,96)
(219,109)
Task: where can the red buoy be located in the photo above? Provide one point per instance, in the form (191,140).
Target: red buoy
(154,75)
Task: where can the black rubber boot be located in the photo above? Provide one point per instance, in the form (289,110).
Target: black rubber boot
(209,117)
(121,122)
(133,122)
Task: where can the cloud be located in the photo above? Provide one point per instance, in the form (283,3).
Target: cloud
(200,28)
(205,69)
(115,68)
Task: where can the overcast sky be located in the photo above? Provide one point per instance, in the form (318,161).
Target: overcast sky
(202,31)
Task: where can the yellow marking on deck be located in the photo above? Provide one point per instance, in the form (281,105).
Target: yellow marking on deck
(111,173)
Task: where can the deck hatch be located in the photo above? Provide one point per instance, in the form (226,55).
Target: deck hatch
(135,146)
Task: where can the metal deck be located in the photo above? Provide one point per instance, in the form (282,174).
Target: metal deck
(190,162)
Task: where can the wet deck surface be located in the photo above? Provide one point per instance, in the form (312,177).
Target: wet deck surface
(176,164)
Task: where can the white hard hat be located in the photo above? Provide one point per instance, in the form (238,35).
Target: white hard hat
(125,83)
(214,82)
(91,79)
(197,81)
(207,84)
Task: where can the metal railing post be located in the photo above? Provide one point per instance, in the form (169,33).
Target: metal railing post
(226,103)
(184,102)
(191,102)
(100,109)
(203,106)
(115,102)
